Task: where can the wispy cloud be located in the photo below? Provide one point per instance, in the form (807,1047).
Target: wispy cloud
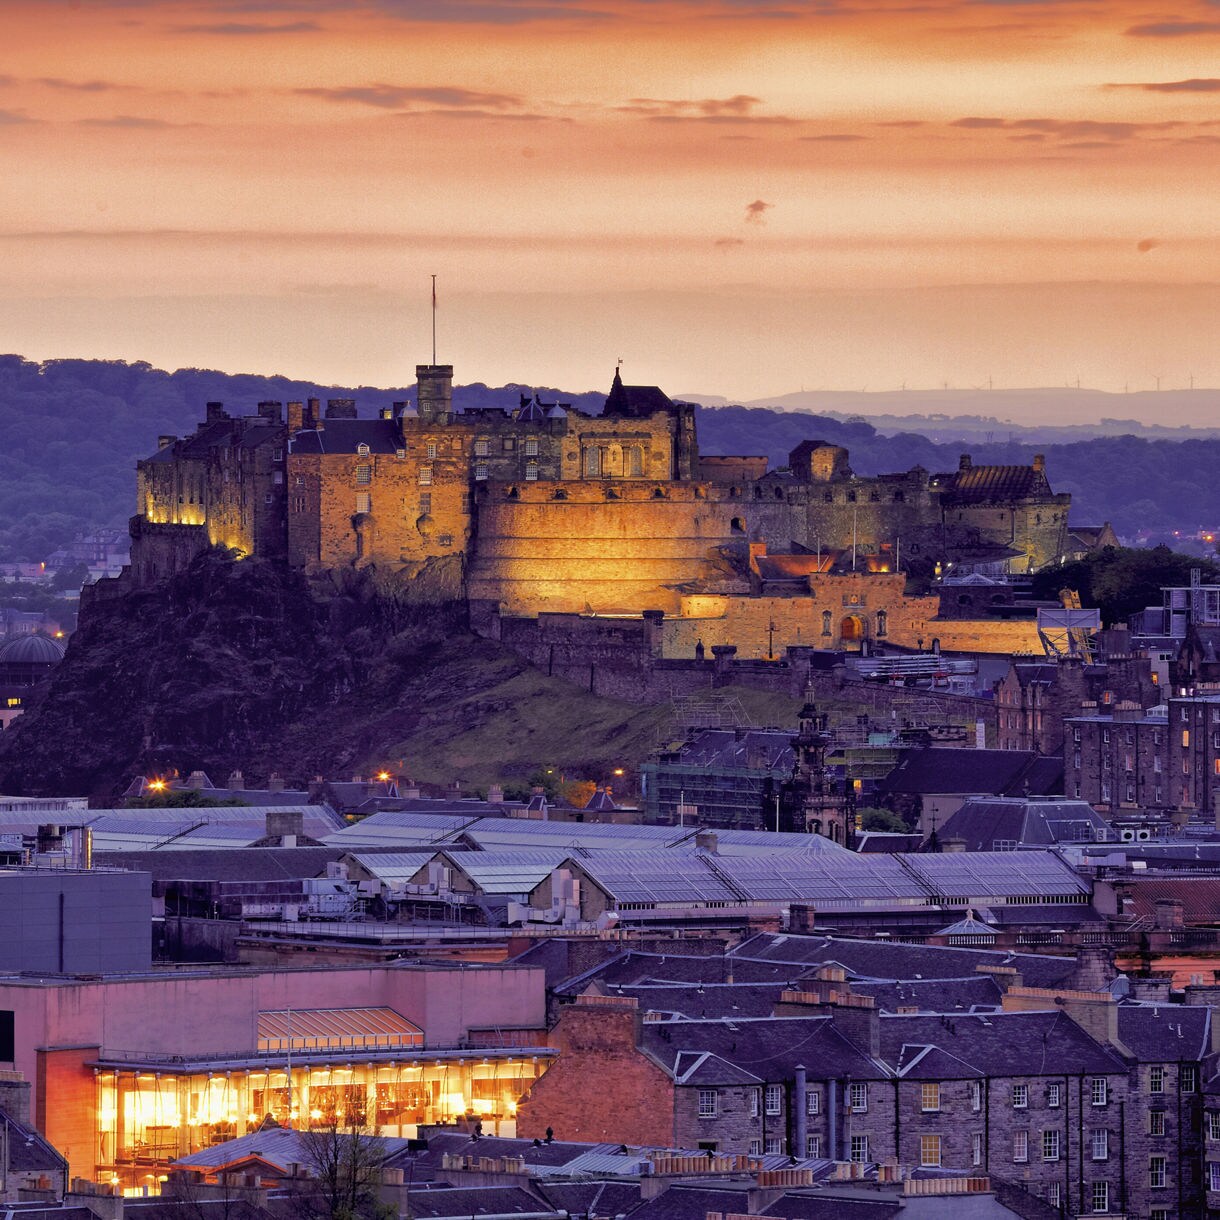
(1196,84)
(1173,29)
(399,97)
(13,118)
(132,121)
(756,212)
(836,138)
(740,105)
(1070,129)
(249,29)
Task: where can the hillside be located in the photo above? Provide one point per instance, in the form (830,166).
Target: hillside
(245,666)
(71,432)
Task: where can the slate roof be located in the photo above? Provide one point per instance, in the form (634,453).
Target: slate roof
(949,769)
(1164,1033)
(980,484)
(281,1146)
(870,959)
(934,995)
(345,435)
(28,1151)
(706,1001)
(208,864)
(459,1143)
(635,401)
(465,1203)
(983,822)
(1000,1044)
(1199,896)
(769,1048)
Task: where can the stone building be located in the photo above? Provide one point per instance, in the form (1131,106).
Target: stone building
(547,507)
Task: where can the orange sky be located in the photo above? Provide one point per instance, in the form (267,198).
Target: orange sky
(735,196)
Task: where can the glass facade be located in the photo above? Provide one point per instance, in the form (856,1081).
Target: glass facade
(146,1117)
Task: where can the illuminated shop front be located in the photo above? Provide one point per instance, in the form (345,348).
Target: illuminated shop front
(376,1080)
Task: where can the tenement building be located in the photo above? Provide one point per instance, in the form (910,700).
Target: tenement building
(543,506)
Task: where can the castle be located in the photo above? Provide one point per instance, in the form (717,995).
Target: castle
(545,508)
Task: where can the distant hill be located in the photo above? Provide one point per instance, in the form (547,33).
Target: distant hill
(71,432)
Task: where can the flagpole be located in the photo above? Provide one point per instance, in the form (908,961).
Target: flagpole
(434,320)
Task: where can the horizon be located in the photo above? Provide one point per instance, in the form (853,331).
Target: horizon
(743,197)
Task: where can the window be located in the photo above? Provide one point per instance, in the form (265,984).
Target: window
(1050,1145)
(1054,1194)
(976,1148)
(1188,1078)
(425,476)
(929,1150)
(531,472)
(707,1103)
(1185,738)
(481,449)
(593,461)
(1054,1095)
(364,502)
(364,474)
(929,1097)
(775,1145)
(444,540)
(1213,1177)
(1213,1124)
(480,471)
(425,503)
(826,621)
(1159,1213)
(813,1145)
(1101,1196)
(1156,1171)
(1100,1091)
(858,1150)
(269,498)
(1156,1123)
(756,1147)
(277,455)
(976,1095)
(362,449)
(277,477)
(1156,1079)
(1020,1096)
(531,447)
(775,1099)
(430,450)
(1020,1145)
(755,1103)
(857,1097)
(1101,1145)
(813,1102)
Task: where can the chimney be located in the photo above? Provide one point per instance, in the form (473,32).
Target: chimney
(287,825)
(340,408)
(1096,1012)
(215,413)
(387,413)
(706,841)
(296,416)
(1094,968)
(434,392)
(164,441)
(1169,914)
(313,412)
(15,1097)
(963,462)
(1153,988)
(275,782)
(1040,462)
(495,795)
(271,411)
(236,781)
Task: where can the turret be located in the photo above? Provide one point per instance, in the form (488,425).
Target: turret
(435,392)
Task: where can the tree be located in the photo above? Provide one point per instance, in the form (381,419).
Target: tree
(344,1157)
(873,818)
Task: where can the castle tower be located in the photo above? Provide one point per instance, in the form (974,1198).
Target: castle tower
(435,383)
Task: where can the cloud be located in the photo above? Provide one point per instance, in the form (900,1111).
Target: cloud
(1148,243)
(506,116)
(1091,132)
(399,97)
(13,118)
(131,121)
(1173,29)
(84,86)
(246,29)
(832,139)
(1196,84)
(727,243)
(739,105)
(486,12)
(756,212)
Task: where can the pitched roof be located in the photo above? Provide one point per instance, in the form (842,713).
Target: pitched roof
(949,769)
(979,484)
(1163,1033)
(346,435)
(987,822)
(635,401)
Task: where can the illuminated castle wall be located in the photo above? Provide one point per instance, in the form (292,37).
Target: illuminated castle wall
(544,507)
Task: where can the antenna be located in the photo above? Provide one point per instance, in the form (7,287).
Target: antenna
(434,320)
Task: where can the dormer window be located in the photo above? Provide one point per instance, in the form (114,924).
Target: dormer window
(362,450)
